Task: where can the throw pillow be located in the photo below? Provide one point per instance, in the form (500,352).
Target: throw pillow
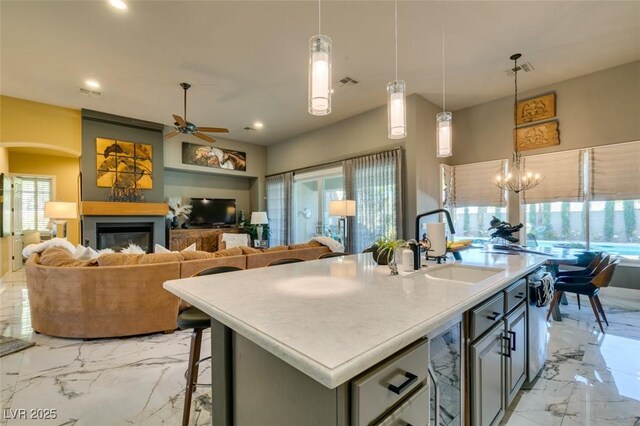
(132,249)
(300,246)
(60,257)
(54,242)
(160,249)
(84,253)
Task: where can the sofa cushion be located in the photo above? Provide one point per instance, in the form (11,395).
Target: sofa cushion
(60,256)
(195,255)
(277,248)
(119,259)
(310,244)
(250,250)
(234,251)
(150,258)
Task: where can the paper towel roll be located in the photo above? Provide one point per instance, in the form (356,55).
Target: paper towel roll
(435,234)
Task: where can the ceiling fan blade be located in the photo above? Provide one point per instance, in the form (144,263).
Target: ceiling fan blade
(171,134)
(203,137)
(180,120)
(213,129)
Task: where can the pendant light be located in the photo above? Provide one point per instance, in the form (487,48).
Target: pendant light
(319,71)
(444,137)
(396,97)
(517,179)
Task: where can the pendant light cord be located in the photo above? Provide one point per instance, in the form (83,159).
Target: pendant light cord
(395,5)
(319,18)
(444,109)
(515,105)
(185,104)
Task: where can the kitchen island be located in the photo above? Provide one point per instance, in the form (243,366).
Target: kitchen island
(288,340)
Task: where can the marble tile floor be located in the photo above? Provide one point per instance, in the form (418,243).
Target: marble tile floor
(589,379)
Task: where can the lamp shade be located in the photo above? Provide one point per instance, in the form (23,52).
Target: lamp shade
(259,218)
(342,208)
(60,210)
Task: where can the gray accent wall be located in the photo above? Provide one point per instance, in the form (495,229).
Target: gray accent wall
(101,125)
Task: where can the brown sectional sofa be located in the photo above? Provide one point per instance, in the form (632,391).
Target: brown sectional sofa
(82,301)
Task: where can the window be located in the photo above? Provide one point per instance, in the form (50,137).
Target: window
(473,202)
(35,192)
(613,227)
(311,195)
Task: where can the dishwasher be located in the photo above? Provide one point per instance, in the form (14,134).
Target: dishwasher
(537,305)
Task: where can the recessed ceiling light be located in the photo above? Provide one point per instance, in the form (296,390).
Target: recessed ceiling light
(258,125)
(118,4)
(92,83)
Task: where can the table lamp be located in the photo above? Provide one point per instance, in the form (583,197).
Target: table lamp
(58,212)
(342,208)
(259,219)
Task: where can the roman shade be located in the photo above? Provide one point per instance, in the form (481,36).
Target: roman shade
(563,177)
(615,172)
(469,185)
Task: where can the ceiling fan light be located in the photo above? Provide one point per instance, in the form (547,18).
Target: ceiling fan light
(320,75)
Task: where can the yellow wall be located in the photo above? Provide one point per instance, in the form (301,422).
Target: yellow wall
(27,123)
(5,253)
(66,171)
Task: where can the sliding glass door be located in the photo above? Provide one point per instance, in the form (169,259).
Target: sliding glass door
(312,192)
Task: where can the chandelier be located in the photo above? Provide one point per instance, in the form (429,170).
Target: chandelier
(517,179)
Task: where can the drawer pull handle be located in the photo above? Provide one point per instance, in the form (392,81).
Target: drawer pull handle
(411,379)
(513,341)
(495,317)
(508,353)
(519,295)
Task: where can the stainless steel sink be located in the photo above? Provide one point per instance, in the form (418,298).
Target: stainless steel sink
(461,273)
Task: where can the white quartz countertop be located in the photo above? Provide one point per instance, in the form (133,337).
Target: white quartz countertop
(334,318)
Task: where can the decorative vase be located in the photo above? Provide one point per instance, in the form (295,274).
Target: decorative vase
(393,266)
(380,259)
(174,223)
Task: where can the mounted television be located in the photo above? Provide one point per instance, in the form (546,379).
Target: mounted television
(213,211)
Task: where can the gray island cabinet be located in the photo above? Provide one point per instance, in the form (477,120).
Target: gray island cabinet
(340,342)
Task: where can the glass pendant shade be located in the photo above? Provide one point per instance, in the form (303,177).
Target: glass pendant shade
(320,75)
(444,135)
(397,109)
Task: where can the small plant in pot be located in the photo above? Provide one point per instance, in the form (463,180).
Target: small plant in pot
(383,250)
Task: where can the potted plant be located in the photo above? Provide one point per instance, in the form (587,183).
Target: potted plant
(383,250)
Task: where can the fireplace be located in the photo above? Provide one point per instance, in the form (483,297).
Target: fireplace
(117,236)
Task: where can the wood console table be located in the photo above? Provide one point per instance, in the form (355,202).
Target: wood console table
(206,239)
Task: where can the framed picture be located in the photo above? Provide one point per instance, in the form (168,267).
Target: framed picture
(123,164)
(536,109)
(538,136)
(209,156)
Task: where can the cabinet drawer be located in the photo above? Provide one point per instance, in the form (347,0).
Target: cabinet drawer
(484,316)
(414,411)
(385,385)
(514,294)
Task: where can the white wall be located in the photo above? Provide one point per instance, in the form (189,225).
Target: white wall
(367,133)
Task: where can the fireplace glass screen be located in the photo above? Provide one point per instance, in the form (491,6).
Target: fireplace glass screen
(118,236)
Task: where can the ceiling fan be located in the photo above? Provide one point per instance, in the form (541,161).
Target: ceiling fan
(183,126)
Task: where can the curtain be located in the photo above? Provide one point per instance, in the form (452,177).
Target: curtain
(279,208)
(469,185)
(615,172)
(375,183)
(563,177)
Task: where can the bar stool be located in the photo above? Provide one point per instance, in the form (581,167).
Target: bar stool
(332,254)
(590,287)
(197,320)
(285,261)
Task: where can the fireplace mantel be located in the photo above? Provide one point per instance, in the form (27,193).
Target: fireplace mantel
(114,208)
